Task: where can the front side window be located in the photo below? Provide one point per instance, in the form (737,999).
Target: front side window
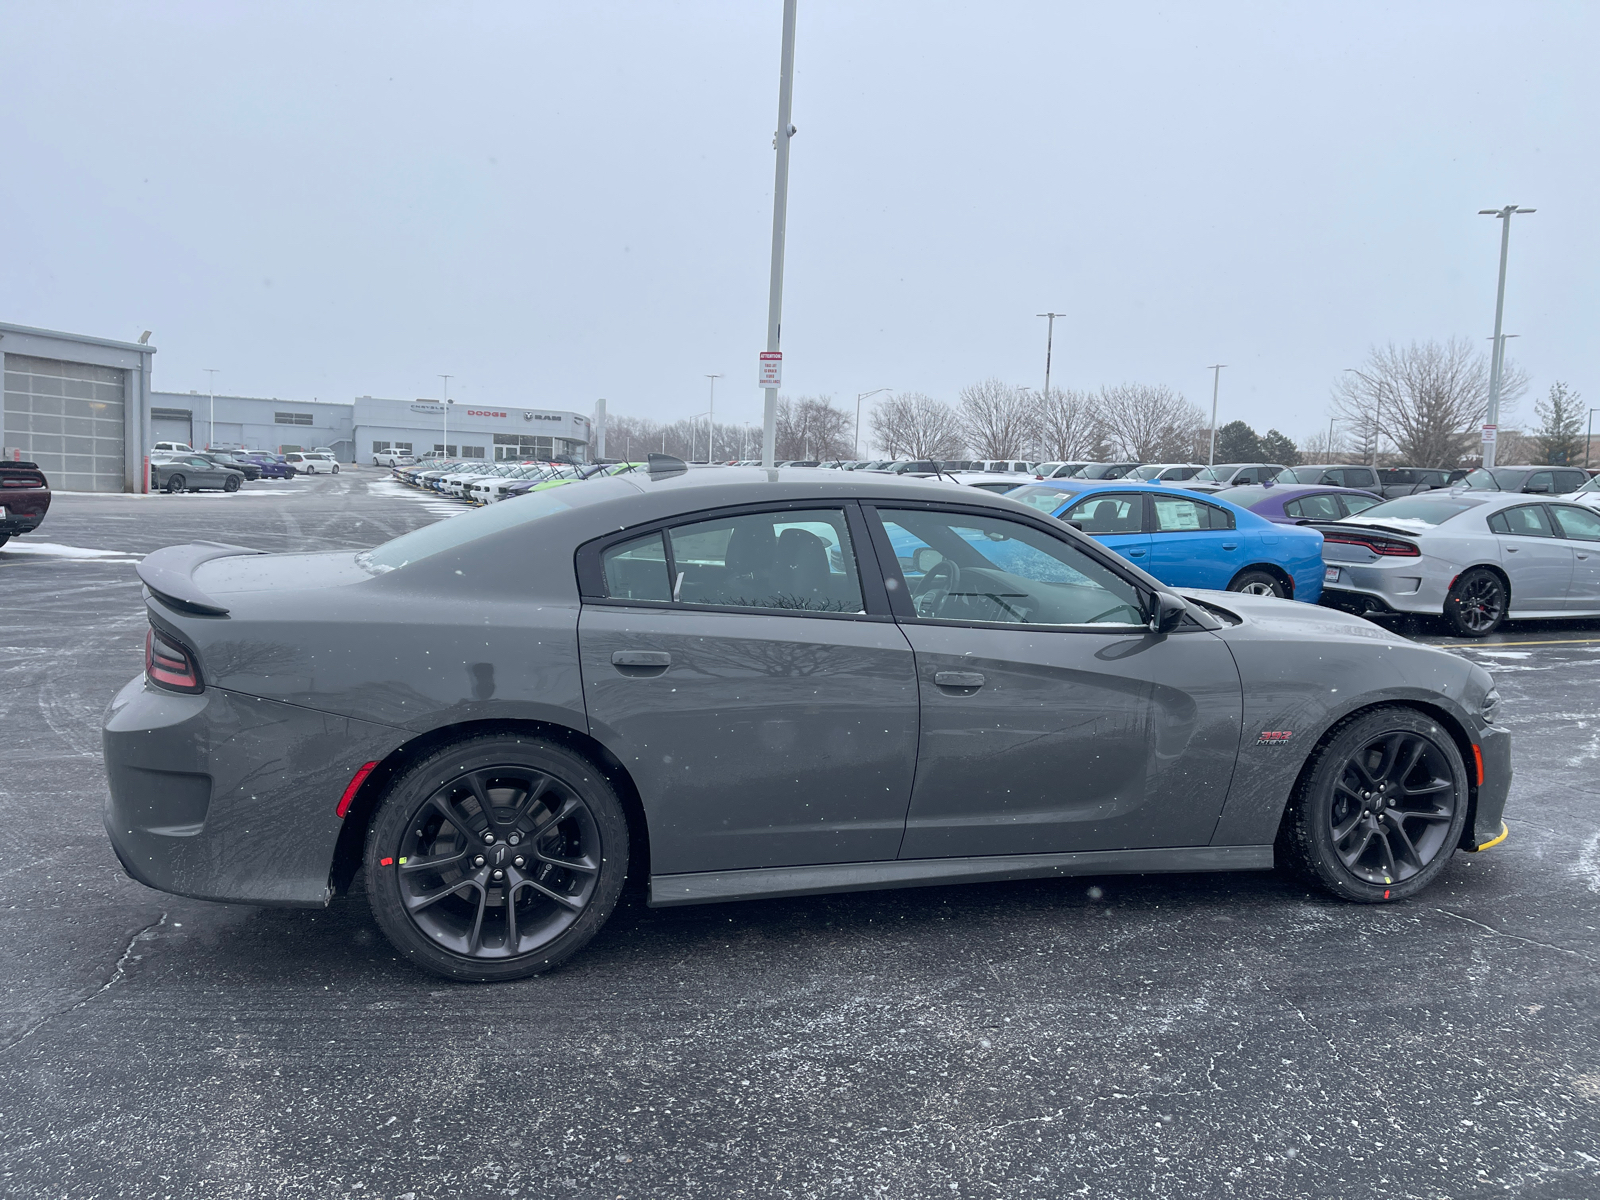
(1356,504)
(795,560)
(1583,524)
(1176,515)
(990,570)
(1539,481)
(1527,520)
(1108,514)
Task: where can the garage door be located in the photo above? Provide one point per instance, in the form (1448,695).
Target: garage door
(68,418)
(171,425)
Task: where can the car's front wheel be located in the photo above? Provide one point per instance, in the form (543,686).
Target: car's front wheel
(496,858)
(1476,605)
(176,484)
(231,484)
(1379,808)
(1256,582)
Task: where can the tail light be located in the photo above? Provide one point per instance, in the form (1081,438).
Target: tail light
(1376,545)
(170,665)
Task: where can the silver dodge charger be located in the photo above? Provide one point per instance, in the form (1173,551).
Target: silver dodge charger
(1476,558)
(738,683)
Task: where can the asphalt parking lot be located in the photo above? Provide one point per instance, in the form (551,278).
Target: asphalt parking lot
(1172,1036)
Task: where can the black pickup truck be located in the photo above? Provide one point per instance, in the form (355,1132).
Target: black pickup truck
(24,498)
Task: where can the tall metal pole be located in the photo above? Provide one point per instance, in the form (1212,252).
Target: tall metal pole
(711,436)
(780,217)
(1493,418)
(1216,379)
(860,396)
(445,449)
(1049,342)
(1588,438)
(211,433)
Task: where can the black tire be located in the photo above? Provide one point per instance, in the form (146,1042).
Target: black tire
(335,468)
(1256,582)
(176,484)
(4,538)
(231,484)
(1477,604)
(571,833)
(1379,808)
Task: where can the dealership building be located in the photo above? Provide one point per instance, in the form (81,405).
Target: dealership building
(84,410)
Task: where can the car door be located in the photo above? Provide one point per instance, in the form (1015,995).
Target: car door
(1319,506)
(1537,561)
(1193,543)
(1114,519)
(1052,719)
(767,718)
(1581,528)
(202,473)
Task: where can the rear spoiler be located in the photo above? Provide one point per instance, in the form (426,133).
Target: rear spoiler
(169,574)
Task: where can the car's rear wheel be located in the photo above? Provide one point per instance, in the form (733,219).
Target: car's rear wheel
(1379,808)
(176,483)
(1476,605)
(4,538)
(496,858)
(231,484)
(1256,582)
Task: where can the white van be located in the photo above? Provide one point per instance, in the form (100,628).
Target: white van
(311,464)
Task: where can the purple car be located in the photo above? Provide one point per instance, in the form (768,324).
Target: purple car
(1291,504)
(272,466)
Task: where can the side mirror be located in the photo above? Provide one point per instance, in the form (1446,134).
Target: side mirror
(1078,525)
(1536,490)
(1166,611)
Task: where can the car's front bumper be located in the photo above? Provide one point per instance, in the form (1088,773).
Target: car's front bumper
(1493,748)
(222,796)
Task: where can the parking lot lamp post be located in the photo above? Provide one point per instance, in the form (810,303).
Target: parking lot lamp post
(1493,418)
(711,433)
(780,219)
(1049,342)
(445,449)
(211,431)
(1216,378)
(856,452)
(1589,437)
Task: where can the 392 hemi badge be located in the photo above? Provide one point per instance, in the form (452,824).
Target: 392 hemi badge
(1274,737)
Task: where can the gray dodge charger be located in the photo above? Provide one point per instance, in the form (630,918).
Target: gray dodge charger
(737,683)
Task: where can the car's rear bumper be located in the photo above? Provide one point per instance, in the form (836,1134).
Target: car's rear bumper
(1488,817)
(21,509)
(228,797)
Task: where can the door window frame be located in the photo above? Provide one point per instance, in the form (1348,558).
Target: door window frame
(874,596)
(1555,534)
(899,595)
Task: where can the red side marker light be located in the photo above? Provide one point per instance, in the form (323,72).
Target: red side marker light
(1477,756)
(353,787)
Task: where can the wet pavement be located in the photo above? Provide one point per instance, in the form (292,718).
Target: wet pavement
(1166,1036)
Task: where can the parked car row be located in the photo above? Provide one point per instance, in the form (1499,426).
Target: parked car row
(175,467)
(479,481)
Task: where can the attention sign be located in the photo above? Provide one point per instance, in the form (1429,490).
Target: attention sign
(771,368)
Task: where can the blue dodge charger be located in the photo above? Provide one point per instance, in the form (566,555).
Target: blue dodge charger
(1186,540)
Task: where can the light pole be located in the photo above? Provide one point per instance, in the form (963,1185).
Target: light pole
(211,432)
(711,434)
(445,449)
(780,217)
(1589,437)
(1216,379)
(860,396)
(1504,216)
(1049,342)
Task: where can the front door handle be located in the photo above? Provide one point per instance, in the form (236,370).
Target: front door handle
(966,681)
(641,663)
(1135,553)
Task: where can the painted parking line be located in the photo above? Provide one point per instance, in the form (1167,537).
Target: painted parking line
(1513,645)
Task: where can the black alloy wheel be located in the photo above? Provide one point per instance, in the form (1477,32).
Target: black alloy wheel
(1380,807)
(231,484)
(1258,583)
(1476,605)
(497,858)
(176,483)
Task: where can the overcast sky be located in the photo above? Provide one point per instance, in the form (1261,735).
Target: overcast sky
(554,203)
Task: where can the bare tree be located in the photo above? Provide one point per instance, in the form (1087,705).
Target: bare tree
(1323,447)
(912,425)
(810,427)
(1150,423)
(1427,399)
(998,419)
(1067,425)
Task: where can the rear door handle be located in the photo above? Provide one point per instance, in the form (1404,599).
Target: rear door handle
(641,662)
(1135,553)
(1230,545)
(963,680)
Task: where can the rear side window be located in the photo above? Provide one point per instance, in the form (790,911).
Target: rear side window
(637,570)
(1108,514)
(1569,481)
(1175,515)
(793,560)
(1527,520)
(1356,504)
(1315,508)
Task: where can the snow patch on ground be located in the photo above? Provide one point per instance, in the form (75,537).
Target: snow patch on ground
(1588,865)
(71,553)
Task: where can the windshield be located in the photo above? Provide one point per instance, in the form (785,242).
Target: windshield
(1592,486)
(1424,511)
(484,522)
(1488,480)
(1045,499)
(1246,497)
(1220,473)
(1102,471)
(1147,472)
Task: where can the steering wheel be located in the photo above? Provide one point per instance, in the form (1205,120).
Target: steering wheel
(940,580)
